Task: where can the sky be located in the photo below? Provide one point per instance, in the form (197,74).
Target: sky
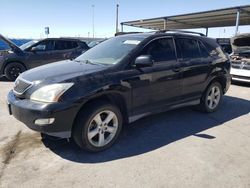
(28,18)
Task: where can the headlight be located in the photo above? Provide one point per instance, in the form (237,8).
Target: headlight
(50,93)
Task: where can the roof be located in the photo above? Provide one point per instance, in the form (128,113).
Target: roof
(214,18)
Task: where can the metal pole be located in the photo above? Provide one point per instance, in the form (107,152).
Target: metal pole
(237,22)
(93,20)
(206,31)
(122,26)
(165,24)
(117,17)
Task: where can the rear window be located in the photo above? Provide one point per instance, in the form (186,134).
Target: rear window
(65,45)
(203,50)
(187,48)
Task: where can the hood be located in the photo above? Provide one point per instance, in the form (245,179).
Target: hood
(13,46)
(241,43)
(61,71)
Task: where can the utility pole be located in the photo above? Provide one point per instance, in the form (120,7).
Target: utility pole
(117,18)
(93,20)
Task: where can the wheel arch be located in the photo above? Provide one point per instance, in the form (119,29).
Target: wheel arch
(112,98)
(221,79)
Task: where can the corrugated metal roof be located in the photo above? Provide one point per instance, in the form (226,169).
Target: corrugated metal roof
(214,18)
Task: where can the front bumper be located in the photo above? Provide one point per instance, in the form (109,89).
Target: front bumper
(28,112)
(240,75)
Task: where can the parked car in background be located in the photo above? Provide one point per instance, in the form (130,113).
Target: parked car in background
(16,59)
(119,81)
(225,44)
(241,58)
(94,43)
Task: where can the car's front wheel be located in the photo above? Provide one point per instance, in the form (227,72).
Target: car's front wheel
(211,98)
(97,127)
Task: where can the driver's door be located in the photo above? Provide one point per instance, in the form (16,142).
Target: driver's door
(155,88)
(41,53)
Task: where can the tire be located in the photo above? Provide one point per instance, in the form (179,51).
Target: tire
(91,132)
(12,70)
(211,98)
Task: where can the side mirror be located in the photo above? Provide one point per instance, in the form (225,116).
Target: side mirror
(144,61)
(33,49)
(38,48)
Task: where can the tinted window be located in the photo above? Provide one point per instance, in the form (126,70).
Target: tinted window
(73,44)
(83,45)
(65,45)
(161,50)
(187,48)
(203,50)
(45,46)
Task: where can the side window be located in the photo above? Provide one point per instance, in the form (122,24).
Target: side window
(44,46)
(83,45)
(73,44)
(187,48)
(161,50)
(65,45)
(61,45)
(203,50)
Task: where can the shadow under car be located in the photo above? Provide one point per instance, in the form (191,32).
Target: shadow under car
(154,132)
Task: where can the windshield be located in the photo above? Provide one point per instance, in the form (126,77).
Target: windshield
(28,44)
(111,51)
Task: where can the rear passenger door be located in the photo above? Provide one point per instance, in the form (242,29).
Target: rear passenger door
(196,62)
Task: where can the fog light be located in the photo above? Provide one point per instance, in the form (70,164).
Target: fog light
(46,121)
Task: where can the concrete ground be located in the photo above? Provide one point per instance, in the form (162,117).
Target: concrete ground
(182,148)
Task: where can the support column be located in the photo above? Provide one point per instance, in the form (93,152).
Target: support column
(122,26)
(117,18)
(206,31)
(237,22)
(165,24)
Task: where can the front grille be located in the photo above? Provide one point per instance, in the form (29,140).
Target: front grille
(21,86)
(241,65)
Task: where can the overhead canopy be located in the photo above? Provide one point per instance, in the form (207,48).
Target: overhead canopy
(215,18)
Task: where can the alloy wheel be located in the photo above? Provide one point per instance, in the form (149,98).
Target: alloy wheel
(213,97)
(102,128)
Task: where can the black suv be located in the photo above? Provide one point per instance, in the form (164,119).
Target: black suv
(119,81)
(16,59)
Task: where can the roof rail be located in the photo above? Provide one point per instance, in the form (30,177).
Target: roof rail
(179,31)
(124,33)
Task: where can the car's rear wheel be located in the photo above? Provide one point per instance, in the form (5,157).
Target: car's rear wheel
(97,128)
(211,98)
(12,70)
